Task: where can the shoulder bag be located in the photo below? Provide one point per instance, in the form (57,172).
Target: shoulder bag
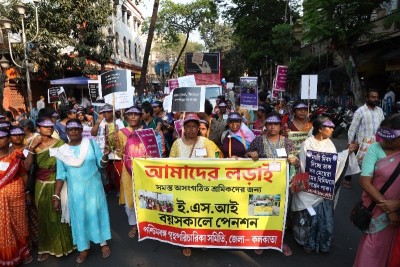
(360,215)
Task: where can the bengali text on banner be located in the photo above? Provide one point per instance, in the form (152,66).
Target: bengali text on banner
(211,203)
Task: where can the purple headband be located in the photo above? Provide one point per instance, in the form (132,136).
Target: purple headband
(46,123)
(2,117)
(72,111)
(80,112)
(388,134)
(73,124)
(328,124)
(273,119)
(234,116)
(300,105)
(3,134)
(17,131)
(134,110)
(5,124)
(55,115)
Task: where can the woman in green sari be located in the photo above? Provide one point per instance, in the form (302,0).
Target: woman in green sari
(55,237)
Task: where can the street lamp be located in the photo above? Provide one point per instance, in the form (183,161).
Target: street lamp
(6,23)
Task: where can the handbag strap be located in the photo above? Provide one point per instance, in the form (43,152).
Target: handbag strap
(191,151)
(385,187)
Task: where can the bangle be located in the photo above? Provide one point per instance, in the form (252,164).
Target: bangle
(104,161)
(56,196)
(31,152)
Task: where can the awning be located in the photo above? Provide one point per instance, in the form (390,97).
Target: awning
(81,80)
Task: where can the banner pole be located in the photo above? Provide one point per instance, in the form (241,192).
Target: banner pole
(183,126)
(309,88)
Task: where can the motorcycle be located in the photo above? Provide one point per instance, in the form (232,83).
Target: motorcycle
(343,121)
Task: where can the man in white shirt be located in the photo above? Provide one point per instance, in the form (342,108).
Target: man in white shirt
(366,121)
(388,100)
(40,104)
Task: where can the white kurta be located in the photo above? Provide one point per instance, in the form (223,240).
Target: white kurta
(303,200)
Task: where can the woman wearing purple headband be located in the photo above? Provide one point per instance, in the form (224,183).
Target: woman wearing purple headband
(54,237)
(273,145)
(315,233)
(380,243)
(14,235)
(300,121)
(77,164)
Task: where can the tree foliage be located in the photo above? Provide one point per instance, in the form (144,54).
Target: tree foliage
(342,24)
(62,24)
(176,18)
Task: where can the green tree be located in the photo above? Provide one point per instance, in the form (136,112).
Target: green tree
(75,24)
(341,24)
(175,19)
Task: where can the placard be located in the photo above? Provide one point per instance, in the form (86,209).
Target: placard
(187,81)
(179,127)
(297,138)
(281,76)
(257,132)
(52,94)
(309,85)
(321,167)
(148,139)
(249,93)
(62,96)
(197,58)
(115,81)
(172,84)
(94,93)
(211,203)
(188,99)
(122,99)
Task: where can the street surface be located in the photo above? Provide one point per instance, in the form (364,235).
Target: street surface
(130,252)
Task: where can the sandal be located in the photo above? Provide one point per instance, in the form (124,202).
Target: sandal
(187,252)
(346,184)
(43,257)
(286,250)
(27,260)
(82,256)
(105,251)
(132,232)
(258,251)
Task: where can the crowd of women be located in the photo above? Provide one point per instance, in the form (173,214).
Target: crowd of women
(52,197)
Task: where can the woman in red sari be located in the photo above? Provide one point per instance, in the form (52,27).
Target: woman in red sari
(14,234)
(377,242)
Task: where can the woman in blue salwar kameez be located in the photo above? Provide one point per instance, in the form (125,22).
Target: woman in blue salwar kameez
(77,165)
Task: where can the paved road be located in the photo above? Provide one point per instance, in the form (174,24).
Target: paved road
(130,252)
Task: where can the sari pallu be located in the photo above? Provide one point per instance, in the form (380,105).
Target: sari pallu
(376,244)
(55,237)
(14,224)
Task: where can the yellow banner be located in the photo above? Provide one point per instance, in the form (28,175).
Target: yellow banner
(211,203)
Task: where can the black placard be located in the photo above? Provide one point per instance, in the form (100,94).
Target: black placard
(114,81)
(52,94)
(187,99)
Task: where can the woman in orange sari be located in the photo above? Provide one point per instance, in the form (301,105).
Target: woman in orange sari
(14,234)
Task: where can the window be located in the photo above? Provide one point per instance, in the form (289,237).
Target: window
(130,49)
(124,46)
(136,54)
(117,43)
(123,14)
(128,18)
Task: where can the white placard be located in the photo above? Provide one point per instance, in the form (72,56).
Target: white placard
(309,85)
(187,81)
(229,85)
(167,103)
(122,99)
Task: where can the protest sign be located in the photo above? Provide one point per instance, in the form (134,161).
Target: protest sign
(121,99)
(187,81)
(172,84)
(189,99)
(249,93)
(179,127)
(197,58)
(321,167)
(115,81)
(86,132)
(52,94)
(148,139)
(94,93)
(309,86)
(297,138)
(281,75)
(211,203)
(62,96)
